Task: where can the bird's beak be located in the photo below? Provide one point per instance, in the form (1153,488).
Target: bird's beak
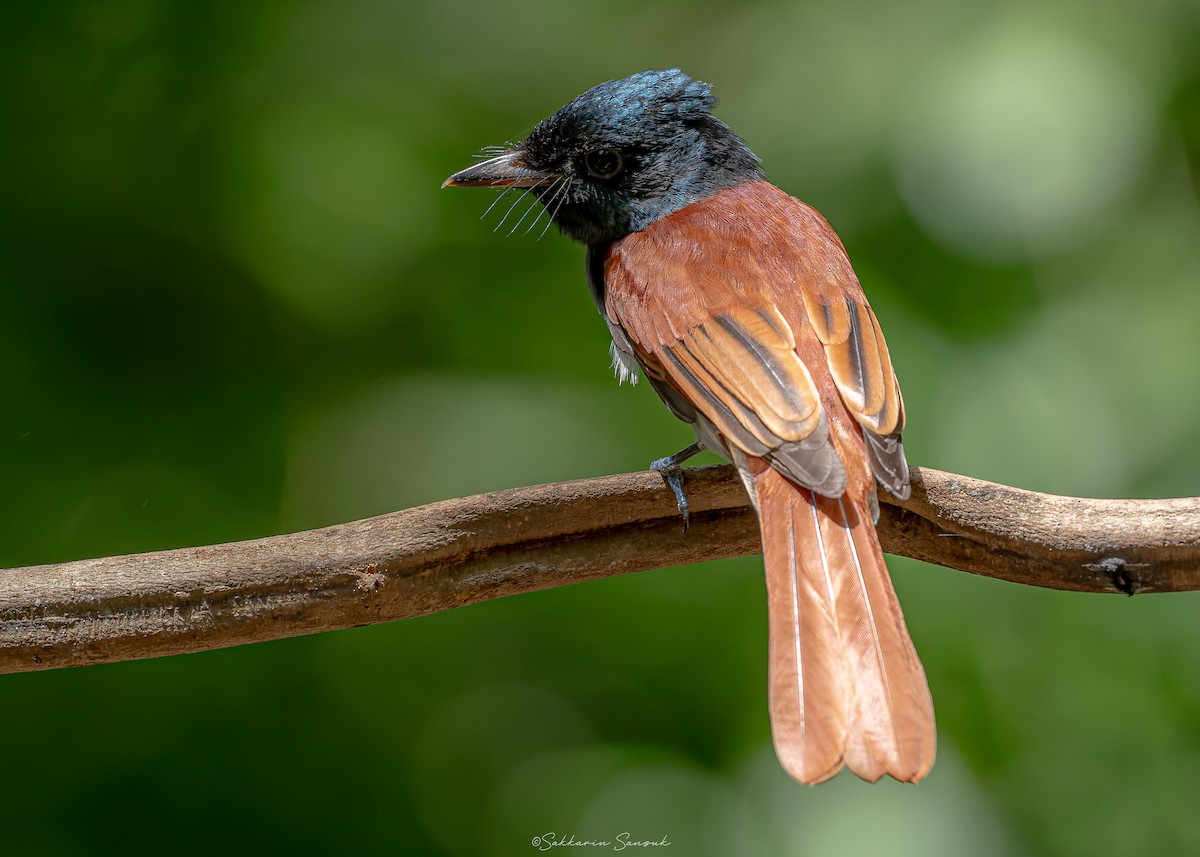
(507,170)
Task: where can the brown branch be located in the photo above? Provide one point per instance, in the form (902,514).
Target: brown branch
(458,552)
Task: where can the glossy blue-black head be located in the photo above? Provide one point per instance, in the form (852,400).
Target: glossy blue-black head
(622,155)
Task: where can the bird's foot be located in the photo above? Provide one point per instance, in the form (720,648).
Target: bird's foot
(671,472)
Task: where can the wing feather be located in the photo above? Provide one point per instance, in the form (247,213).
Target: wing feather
(858,360)
(743,371)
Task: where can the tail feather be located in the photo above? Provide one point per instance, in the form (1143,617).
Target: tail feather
(846,687)
(805,658)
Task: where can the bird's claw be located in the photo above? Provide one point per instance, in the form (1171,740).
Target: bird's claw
(672,474)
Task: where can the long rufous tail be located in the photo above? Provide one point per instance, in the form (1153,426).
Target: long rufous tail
(846,686)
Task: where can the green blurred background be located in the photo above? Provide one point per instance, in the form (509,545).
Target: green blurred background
(234,302)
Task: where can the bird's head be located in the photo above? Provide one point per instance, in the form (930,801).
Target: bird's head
(622,155)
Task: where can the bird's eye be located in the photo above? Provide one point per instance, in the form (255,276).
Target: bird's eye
(603,163)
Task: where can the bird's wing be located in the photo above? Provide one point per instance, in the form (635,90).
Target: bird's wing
(746,304)
(740,369)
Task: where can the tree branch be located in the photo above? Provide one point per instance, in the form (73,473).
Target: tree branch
(458,552)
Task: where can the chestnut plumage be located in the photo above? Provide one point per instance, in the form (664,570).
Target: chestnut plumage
(740,307)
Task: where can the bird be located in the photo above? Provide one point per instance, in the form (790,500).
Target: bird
(739,305)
